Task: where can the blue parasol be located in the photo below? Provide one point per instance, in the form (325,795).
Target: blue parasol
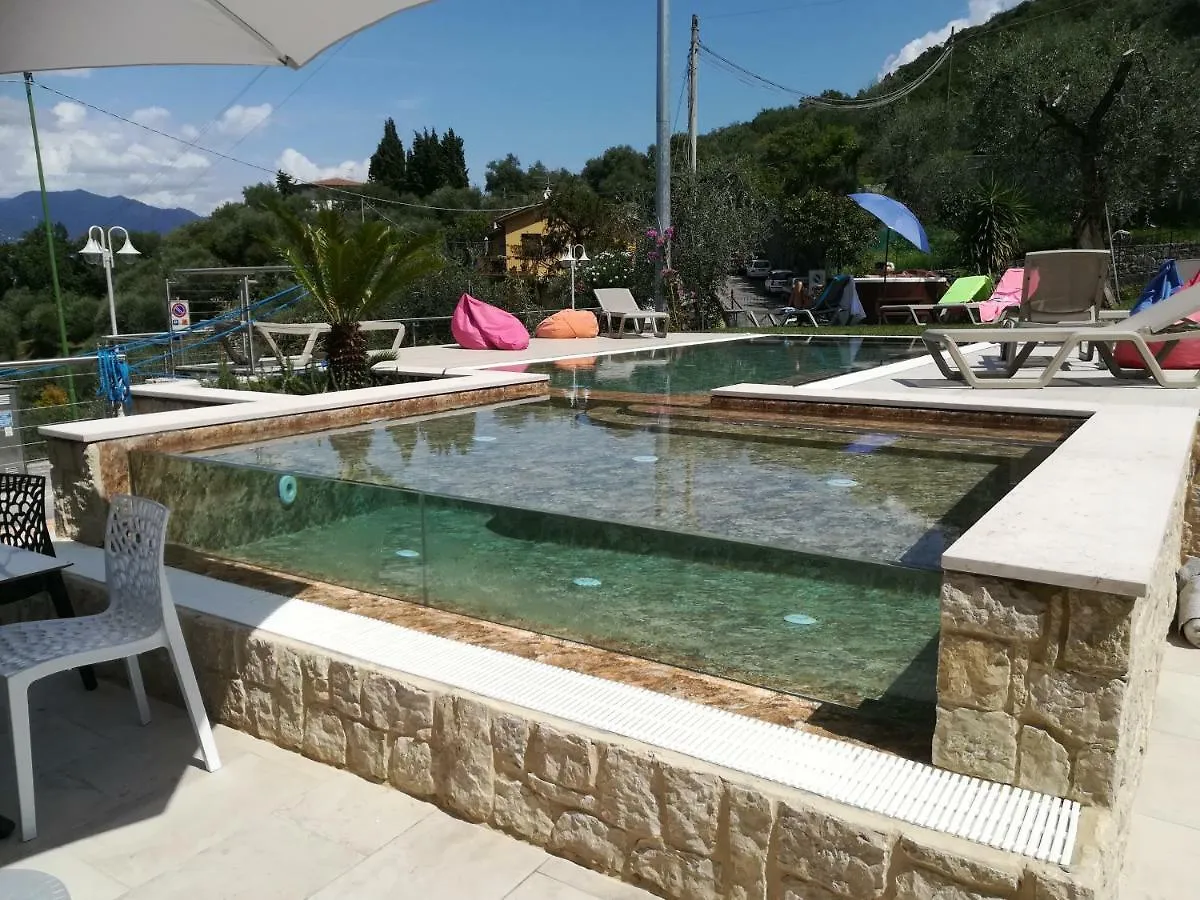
(896,216)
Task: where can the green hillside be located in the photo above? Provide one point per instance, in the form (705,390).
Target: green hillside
(1015,102)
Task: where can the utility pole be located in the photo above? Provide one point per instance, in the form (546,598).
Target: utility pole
(693,68)
(662,205)
(63,346)
(950,69)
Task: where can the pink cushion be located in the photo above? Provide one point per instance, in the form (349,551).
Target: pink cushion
(1185,355)
(480,326)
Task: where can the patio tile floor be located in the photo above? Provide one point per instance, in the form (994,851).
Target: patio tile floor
(125,812)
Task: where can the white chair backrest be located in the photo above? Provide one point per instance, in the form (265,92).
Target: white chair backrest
(1162,315)
(616,300)
(134,541)
(385,325)
(1064,285)
(1187,269)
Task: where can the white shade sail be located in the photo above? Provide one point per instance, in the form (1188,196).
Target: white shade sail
(36,35)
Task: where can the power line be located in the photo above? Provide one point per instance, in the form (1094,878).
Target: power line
(269,171)
(679,103)
(775,9)
(203,131)
(746,76)
(806,99)
(309,77)
(1054,12)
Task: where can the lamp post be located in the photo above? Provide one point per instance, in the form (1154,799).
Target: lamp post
(99,252)
(571,258)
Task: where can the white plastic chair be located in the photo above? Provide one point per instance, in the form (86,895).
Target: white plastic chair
(140,617)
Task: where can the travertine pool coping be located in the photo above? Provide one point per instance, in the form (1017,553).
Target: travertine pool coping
(273,405)
(1037,826)
(1092,516)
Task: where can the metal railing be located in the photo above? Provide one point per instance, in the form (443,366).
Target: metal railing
(64,389)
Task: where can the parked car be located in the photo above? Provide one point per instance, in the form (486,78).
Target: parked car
(779,281)
(758,268)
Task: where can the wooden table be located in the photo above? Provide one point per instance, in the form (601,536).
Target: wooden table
(899,289)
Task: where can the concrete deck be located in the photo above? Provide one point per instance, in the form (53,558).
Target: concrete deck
(1165,834)
(919,383)
(124,812)
(450,358)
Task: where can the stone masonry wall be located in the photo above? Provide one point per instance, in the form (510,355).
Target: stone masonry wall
(671,824)
(1051,688)
(86,475)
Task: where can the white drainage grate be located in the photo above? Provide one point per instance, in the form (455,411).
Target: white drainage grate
(1001,816)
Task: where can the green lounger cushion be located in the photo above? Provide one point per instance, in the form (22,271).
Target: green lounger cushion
(968,289)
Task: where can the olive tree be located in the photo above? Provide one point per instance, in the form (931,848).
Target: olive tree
(1088,119)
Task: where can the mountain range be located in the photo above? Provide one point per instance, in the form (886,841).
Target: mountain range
(79,210)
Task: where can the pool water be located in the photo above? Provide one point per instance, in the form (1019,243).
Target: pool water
(802,559)
(884,497)
(700,368)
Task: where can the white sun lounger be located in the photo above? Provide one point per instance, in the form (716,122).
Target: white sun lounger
(1161,323)
(618,303)
(312,332)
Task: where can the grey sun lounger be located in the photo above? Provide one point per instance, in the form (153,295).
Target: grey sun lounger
(1161,323)
(618,304)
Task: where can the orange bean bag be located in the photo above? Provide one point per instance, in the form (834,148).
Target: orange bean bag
(568,323)
(579,362)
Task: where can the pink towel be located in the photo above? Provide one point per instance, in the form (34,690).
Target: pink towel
(1007,294)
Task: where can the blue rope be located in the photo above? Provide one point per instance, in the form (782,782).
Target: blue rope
(114,376)
(143,364)
(163,339)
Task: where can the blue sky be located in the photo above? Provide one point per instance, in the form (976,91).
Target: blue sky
(556,81)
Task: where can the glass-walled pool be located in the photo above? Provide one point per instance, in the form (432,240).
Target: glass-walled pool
(799,559)
(695,370)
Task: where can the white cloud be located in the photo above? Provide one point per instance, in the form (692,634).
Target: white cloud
(68,73)
(978,12)
(302,168)
(151,116)
(68,113)
(84,150)
(238,121)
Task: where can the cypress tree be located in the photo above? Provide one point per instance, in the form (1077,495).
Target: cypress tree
(454,161)
(388,163)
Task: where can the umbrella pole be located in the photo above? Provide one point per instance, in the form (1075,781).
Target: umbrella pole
(58,303)
(887,237)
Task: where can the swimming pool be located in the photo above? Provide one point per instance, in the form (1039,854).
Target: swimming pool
(697,369)
(797,557)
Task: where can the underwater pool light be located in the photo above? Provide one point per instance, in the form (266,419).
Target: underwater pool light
(842,482)
(484,438)
(407,554)
(799,619)
(587,582)
(645,459)
(288,490)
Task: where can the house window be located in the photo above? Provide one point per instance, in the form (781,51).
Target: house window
(531,246)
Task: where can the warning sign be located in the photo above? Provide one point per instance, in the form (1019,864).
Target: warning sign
(181,316)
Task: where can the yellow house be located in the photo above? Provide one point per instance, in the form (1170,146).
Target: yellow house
(518,241)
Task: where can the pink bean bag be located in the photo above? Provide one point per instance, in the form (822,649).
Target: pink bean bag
(480,326)
(1185,355)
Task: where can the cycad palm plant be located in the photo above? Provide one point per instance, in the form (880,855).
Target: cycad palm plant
(349,270)
(990,226)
